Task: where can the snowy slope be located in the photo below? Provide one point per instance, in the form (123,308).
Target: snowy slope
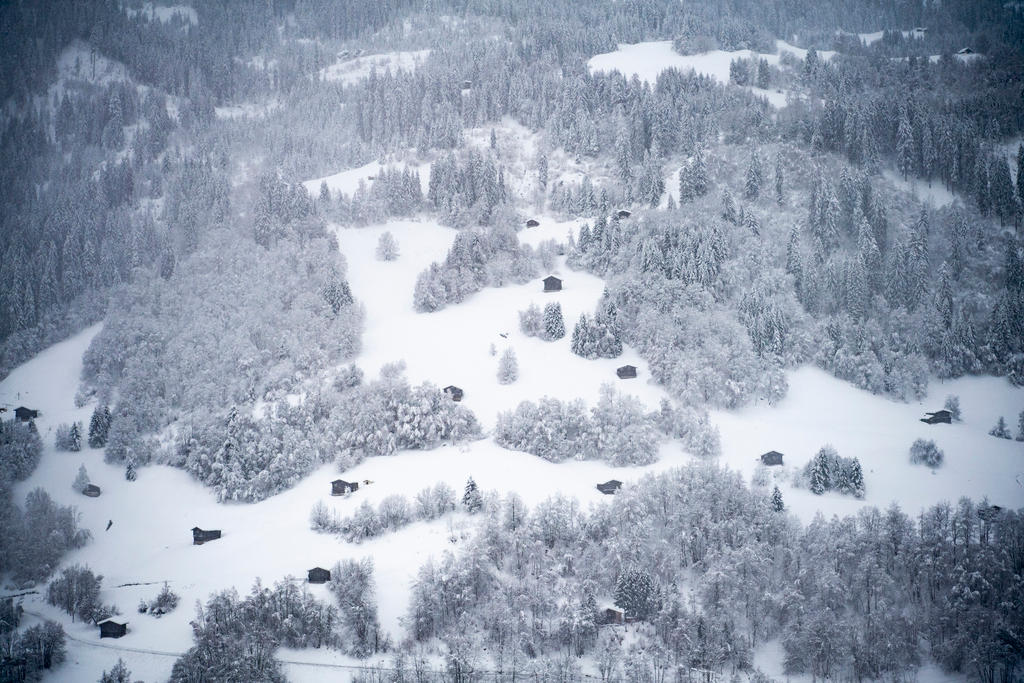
(348,71)
(347,181)
(150,540)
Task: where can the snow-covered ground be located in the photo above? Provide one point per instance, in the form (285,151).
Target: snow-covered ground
(647,60)
(347,181)
(79,61)
(350,70)
(935,194)
(149,541)
(249,110)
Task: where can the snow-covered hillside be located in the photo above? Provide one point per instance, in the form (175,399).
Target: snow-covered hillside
(348,70)
(149,540)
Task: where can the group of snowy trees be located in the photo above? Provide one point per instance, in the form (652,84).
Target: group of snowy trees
(235,638)
(42,646)
(599,337)
(20,450)
(528,585)
(478,258)
(617,429)
(548,324)
(829,471)
(392,513)
(77,591)
(165,601)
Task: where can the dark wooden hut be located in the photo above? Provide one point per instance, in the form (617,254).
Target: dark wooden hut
(552,284)
(771,458)
(938,416)
(965,51)
(319,575)
(199,536)
(112,629)
(453,392)
(610,486)
(92,490)
(340,487)
(622,213)
(532,223)
(23,414)
(626,372)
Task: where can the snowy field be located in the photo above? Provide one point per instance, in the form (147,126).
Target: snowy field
(647,60)
(350,70)
(347,181)
(164,13)
(935,194)
(150,542)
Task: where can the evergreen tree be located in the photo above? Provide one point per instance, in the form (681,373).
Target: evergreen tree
(508,367)
(755,176)
(729,207)
(82,480)
(636,593)
(129,471)
(472,499)
(779,194)
(1020,426)
(581,337)
(1000,431)
(99,427)
(820,479)
(699,179)
(554,324)
(777,504)
(904,145)
(542,170)
(75,437)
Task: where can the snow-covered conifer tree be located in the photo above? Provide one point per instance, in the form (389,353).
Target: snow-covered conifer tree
(508,367)
(554,324)
(82,480)
(472,499)
(1000,430)
(777,504)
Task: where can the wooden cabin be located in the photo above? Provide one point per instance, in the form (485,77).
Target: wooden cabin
(453,392)
(965,51)
(771,458)
(23,414)
(626,372)
(609,487)
(92,490)
(612,615)
(319,575)
(552,284)
(339,487)
(113,629)
(199,536)
(938,416)
(622,213)
(532,223)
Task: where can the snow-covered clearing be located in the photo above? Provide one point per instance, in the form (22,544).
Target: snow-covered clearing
(150,541)
(79,61)
(347,181)
(350,70)
(934,194)
(249,110)
(164,13)
(649,59)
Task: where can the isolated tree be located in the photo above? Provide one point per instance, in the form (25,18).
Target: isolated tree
(1020,426)
(82,480)
(1000,430)
(925,452)
(777,504)
(118,674)
(387,247)
(779,194)
(472,499)
(75,437)
(542,170)
(952,404)
(129,471)
(554,324)
(508,367)
(754,178)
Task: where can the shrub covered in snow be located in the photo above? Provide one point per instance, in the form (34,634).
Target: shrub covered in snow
(924,452)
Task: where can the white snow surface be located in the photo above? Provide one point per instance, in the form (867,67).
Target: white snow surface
(347,181)
(351,70)
(647,60)
(80,62)
(934,194)
(150,539)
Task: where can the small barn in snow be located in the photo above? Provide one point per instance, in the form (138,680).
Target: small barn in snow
(622,213)
(319,575)
(965,51)
(552,284)
(23,414)
(453,392)
(626,372)
(771,458)
(610,486)
(532,223)
(340,487)
(112,629)
(938,416)
(201,536)
(92,490)
(612,615)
